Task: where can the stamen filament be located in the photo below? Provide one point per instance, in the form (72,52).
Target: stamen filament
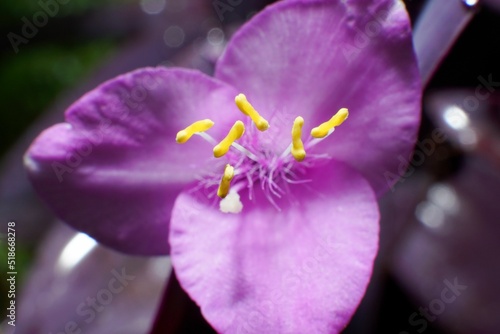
(286,151)
(246,108)
(297,148)
(315,141)
(198,126)
(235,133)
(207,138)
(245,152)
(225,182)
(323,129)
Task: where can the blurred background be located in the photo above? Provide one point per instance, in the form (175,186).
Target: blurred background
(440,224)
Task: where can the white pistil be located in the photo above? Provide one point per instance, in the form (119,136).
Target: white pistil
(231,203)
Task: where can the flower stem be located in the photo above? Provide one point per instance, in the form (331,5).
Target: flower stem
(177,313)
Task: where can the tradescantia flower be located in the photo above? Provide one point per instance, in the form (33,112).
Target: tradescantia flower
(142,163)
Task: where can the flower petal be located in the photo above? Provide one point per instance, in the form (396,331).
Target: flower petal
(311,58)
(302,270)
(113,171)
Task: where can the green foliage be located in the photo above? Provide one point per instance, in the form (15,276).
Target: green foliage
(32,79)
(12,11)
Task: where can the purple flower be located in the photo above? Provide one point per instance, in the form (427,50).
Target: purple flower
(298,255)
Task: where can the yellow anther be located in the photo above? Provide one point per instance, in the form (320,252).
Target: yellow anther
(246,108)
(225,182)
(199,126)
(297,149)
(337,119)
(235,133)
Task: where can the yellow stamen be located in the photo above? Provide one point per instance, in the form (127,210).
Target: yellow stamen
(225,182)
(199,126)
(246,108)
(297,149)
(337,119)
(235,133)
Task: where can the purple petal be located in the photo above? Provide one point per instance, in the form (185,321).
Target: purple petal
(113,171)
(301,270)
(311,58)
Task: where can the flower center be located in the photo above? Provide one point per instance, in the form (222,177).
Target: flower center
(250,164)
